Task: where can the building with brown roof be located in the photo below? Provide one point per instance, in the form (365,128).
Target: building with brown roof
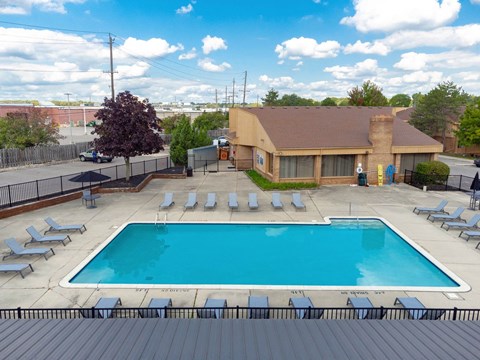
(325,145)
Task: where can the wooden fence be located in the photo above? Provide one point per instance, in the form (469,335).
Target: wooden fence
(41,154)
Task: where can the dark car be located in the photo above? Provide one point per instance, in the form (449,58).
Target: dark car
(99,157)
(477,162)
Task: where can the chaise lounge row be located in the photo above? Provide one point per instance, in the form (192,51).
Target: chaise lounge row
(211,202)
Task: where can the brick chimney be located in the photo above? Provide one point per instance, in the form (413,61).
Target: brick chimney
(380,135)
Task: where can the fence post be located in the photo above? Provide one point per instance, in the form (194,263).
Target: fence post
(460,183)
(455,313)
(144,171)
(38,192)
(19,312)
(238,311)
(9,197)
(116,172)
(61,185)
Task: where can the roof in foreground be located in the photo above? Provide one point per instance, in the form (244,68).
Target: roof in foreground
(238,339)
(292,127)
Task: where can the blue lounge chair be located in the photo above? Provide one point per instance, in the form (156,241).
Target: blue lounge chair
(297,202)
(37,237)
(17,250)
(211,201)
(258,307)
(213,309)
(15,268)
(103,309)
(436,210)
(304,308)
(156,308)
(469,234)
(168,201)
(416,310)
(364,308)
(456,215)
(252,201)
(54,226)
(232,201)
(191,201)
(276,202)
(470,224)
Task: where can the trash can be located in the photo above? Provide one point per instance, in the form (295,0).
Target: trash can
(362,179)
(189,171)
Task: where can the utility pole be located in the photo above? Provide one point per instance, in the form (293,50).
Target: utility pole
(233,93)
(226,99)
(244,88)
(110,41)
(69,119)
(216,100)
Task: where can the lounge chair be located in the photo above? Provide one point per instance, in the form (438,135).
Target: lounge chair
(436,210)
(364,308)
(191,201)
(276,202)
(456,215)
(252,201)
(88,196)
(54,226)
(297,202)
(213,309)
(17,250)
(469,234)
(211,201)
(15,268)
(304,308)
(168,201)
(103,309)
(232,201)
(258,307)
(156,308)
(416,310)
(37,237)
(470,224)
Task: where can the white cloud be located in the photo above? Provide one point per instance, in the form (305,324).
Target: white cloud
(392,15)
(297,48)
(152,48)
(192,54)
(423,77)
(475,1)
(24,7)
(366,68)
(185,9)
(445,37)
(132,71)
(208,65)
(413,61)
(282,82)
(213,43)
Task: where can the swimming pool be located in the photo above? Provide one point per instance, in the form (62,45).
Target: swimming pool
(343,254)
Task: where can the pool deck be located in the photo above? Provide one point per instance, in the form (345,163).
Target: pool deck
(394,203)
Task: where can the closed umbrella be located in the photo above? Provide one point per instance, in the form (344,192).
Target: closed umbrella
(475,186)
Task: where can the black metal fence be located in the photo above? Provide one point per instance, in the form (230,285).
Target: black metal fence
(246,313)
(439,182)
(23,193)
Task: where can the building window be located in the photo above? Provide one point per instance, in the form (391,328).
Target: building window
(270,163)
(296,167)
(410,161)
(338,165)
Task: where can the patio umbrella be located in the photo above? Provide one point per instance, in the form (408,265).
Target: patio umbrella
(89,176)
(475,183)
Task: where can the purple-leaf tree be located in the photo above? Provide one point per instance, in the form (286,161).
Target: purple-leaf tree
(129,128)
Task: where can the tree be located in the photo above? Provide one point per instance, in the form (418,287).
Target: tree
(211,120)
(26,129)
(129,128)
(185,137)
(170,122)
(295,100)
(438,109)
(400,100)
(271,98)
(468,132)
(416,98)
(328,102)
(369,94)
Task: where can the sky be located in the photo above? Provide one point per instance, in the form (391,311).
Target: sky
(209,50)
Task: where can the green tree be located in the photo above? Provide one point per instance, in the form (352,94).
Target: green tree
(170,122)
(369,94)
(400,100)
(129,128)
(295,100)
(468,132)
(416,98)
(271,98)
(328,102)
(26,129)
(184,137)
(211,120)
(437,110)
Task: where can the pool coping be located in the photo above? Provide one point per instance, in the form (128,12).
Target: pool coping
(463,286)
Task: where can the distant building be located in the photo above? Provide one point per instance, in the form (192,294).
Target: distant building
(325,145)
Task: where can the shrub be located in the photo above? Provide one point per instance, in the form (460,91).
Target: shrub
(266,184)
(432,172)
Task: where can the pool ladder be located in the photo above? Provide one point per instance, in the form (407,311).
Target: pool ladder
(158,220)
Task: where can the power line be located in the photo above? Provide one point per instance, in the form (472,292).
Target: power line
(53,28)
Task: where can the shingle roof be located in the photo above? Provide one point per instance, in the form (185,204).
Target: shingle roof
(331,127)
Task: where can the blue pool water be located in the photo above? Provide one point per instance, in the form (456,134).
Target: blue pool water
(344,253)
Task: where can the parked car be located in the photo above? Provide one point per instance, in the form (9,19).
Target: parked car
(222,141)
(99,157)
(477,162)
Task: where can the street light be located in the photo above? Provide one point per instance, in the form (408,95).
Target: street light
(69,119)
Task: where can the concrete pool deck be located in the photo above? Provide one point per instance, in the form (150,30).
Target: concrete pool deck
(395,203)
